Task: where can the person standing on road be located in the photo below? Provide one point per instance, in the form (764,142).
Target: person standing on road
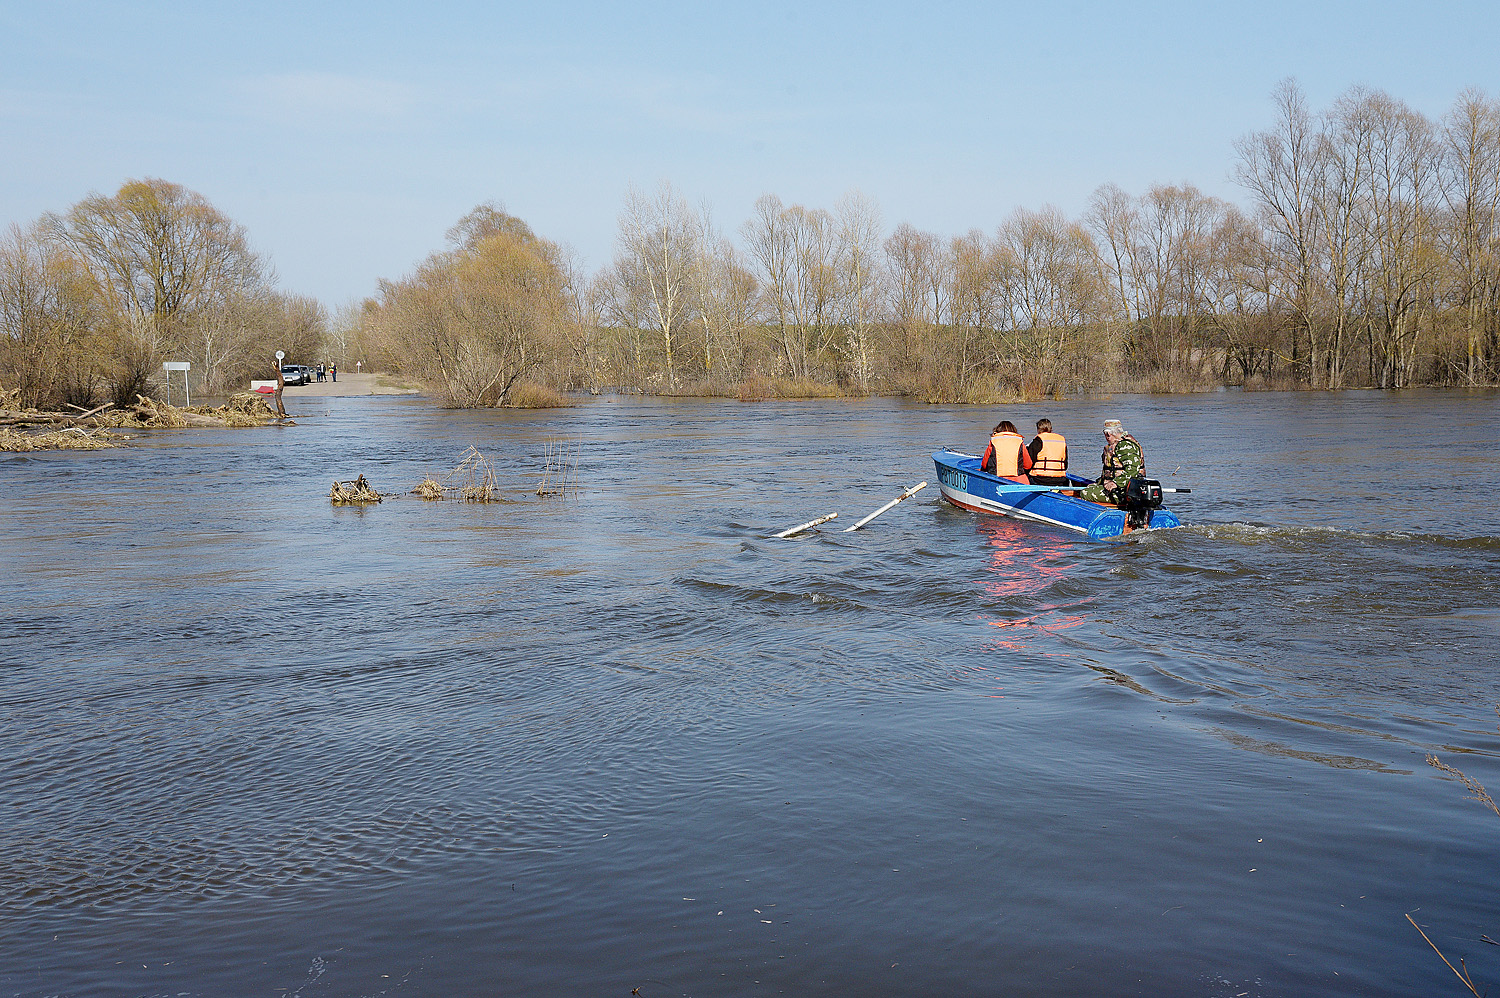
(333,369)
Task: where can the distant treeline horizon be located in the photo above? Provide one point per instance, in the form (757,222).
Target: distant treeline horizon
(1367,255)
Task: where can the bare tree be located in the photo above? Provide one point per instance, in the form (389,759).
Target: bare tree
(912,262)
(1471,194)
(794,248)
(1402,184)
(1112,218)
(654,267)
(726,301)
(51,323)
(1281,170)
(860,284)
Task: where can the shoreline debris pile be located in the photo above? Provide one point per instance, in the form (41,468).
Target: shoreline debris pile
(473,480)
(356,493)
(242,409)
(37,429)
(144,413)
(33,429)
(69,438)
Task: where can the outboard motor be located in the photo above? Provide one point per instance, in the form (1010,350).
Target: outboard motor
(1141,496)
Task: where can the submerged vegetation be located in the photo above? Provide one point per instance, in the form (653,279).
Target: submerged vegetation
(1367,254)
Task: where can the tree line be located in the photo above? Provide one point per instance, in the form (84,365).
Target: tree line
(92,300)
(1367,253)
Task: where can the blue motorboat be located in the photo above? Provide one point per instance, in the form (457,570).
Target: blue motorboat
(965,486)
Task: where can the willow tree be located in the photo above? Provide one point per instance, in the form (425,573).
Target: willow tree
(474,320)
(50,322)
(160,253)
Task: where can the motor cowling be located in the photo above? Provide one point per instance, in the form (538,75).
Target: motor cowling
(1141,494)
(1140,497)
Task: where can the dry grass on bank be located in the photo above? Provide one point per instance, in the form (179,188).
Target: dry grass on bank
(758,388)
(527,395)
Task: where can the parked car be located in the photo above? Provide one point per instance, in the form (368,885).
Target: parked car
(296,374)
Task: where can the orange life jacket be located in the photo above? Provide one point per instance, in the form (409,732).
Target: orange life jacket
(1010,452)
(1052,459)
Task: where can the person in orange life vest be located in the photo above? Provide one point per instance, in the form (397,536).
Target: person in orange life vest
(1049,456)
(1006,455)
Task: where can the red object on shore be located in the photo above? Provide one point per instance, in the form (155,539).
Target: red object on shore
(266,390)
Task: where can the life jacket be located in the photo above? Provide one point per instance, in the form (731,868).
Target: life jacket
(1008,450)
(1052,459)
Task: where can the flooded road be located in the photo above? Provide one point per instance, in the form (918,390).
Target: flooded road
(257,744)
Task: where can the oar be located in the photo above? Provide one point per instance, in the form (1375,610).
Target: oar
(1065,488)
(905,495)
(808,525)
(1039,488)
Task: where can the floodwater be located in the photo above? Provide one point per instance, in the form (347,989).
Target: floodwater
(625,743)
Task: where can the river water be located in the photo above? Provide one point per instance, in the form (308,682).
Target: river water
(255,744)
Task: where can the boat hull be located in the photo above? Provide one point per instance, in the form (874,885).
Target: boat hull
(965,486)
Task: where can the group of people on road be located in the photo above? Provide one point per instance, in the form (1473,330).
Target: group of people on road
(1044,461)
(327,371)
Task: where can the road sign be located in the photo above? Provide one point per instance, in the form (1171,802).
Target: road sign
(177,365)
(281,355)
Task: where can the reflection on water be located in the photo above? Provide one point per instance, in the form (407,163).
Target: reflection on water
(255,743)
(1021,569)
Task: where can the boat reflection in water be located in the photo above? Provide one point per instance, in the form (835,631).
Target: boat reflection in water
(1020,568)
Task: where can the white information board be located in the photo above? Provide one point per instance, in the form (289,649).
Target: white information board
(177,365)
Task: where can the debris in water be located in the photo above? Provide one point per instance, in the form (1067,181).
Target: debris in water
(560,476)
(473,480)
(355,493)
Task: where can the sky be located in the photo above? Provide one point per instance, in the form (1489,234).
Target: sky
(347,138)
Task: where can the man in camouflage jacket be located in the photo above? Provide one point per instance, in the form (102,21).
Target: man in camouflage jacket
(1123,460)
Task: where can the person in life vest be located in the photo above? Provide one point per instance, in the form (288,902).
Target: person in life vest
(1123,460)
(1006,455)
(1049,456)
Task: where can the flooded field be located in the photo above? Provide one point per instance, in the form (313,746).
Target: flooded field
(259,744)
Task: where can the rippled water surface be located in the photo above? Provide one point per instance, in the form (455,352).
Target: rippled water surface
(254,744)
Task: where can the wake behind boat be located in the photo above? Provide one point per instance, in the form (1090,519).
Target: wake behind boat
(965,486)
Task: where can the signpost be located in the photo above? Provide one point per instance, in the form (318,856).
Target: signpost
(177,365)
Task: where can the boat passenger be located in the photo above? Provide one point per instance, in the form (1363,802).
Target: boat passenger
(1049,456)
(1006,456)
(1123,460)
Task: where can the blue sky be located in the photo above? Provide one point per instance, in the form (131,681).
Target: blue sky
(348,137)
